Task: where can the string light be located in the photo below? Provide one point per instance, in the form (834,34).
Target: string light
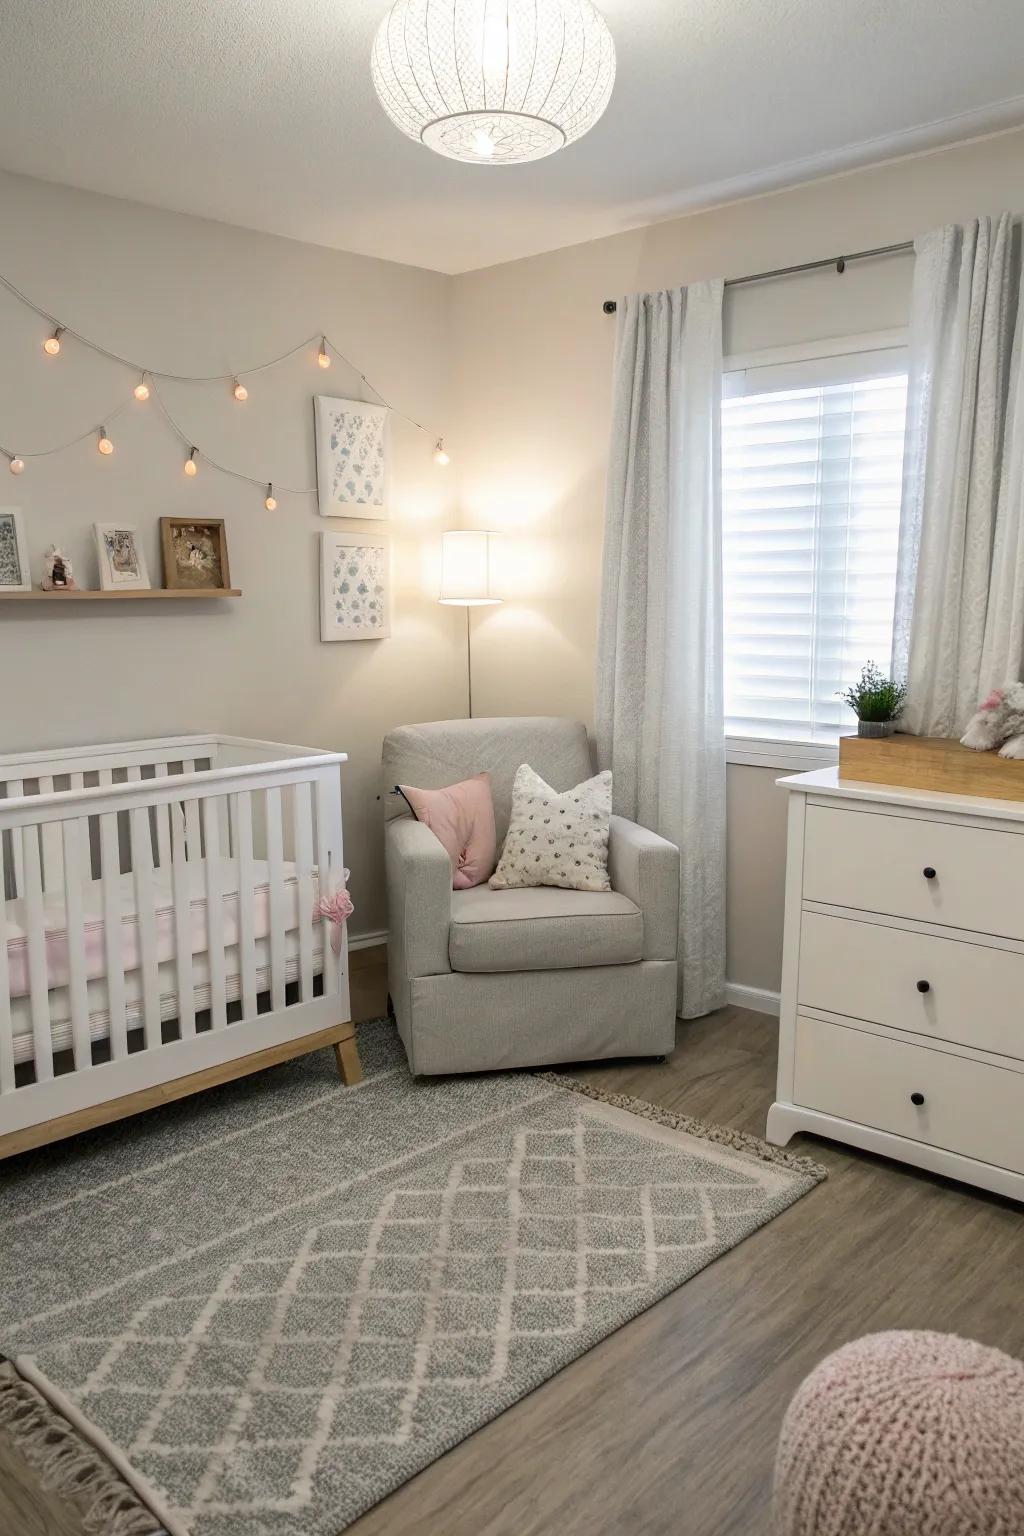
(146,388)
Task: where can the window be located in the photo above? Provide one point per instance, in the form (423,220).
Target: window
(812,461)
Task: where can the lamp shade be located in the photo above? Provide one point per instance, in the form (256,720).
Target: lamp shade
(467,578)
(493,84)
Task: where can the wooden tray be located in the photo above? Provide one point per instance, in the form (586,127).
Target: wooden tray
(938,763)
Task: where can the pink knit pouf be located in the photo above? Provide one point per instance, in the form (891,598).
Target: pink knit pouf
(904,1434)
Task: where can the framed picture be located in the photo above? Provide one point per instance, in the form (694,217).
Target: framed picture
(352,457)
(15,574)
(195,552)
(122,563)
(355,586)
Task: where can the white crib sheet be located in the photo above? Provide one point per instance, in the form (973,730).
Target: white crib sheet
(95,947)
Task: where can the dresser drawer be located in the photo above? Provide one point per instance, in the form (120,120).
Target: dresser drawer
(972,995)
(967,1107)
(877,863)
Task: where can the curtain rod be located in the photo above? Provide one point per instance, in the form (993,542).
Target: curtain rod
(839,262)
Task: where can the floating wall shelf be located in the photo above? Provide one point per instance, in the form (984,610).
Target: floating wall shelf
(146,594)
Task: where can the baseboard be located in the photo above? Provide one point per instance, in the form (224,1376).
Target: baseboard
(368,940)
(759,999)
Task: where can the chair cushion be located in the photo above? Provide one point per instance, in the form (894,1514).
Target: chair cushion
(461,817)
(542,929)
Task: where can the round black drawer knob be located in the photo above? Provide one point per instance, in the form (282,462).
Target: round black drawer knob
(917,1098)
(924,986)
(928,872)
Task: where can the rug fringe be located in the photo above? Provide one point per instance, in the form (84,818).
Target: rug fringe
(68,1465)
(723,1135)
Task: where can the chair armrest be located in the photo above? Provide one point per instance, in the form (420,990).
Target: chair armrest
(645,867)
(419,881)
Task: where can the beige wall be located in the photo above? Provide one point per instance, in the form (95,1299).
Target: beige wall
(187,295)
(533,358)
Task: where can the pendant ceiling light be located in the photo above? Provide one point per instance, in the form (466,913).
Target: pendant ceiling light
(494,82)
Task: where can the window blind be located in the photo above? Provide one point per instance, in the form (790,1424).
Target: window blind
(811,477)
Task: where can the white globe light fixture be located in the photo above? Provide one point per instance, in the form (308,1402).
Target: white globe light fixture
(493,82)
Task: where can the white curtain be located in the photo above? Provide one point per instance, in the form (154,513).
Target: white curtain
(660,721)
(960,585)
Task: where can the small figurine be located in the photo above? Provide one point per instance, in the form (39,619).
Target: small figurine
(57,572)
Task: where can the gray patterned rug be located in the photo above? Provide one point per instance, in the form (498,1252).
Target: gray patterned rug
(273,1304)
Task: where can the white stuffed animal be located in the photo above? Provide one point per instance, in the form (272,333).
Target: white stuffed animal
(999,722)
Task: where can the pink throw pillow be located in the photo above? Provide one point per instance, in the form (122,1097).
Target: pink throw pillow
(461,817)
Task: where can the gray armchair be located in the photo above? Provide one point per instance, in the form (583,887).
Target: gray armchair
(482,979)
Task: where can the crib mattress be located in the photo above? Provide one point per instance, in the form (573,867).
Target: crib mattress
(130,951)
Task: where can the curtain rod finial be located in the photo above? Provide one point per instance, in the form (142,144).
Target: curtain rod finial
(609,306)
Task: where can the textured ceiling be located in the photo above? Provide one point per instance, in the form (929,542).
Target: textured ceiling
(261,113)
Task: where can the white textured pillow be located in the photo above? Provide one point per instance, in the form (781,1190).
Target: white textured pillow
(556,839)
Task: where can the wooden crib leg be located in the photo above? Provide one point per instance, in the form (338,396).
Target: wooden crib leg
(346,1054)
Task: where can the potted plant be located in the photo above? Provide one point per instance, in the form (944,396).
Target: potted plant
(877,702)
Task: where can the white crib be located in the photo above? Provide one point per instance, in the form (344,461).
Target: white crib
(161,926)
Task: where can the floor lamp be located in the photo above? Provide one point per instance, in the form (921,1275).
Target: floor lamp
(467,580)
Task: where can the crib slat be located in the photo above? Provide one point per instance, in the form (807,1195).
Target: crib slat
(78,993)
(241,809)
(42,1044)
(77,781)
(275,879)
(145,916)
(214,913)
(192,838)
(6,1032)
(110,869)
(53,860)
(326,876)
(163,824)
(182,928)
(302,837)
(15,789)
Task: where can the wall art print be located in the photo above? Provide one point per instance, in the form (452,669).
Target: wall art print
(355,586)
(15,575)
(352,457)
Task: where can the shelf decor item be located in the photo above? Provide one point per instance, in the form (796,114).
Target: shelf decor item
(352,457)
(877,702)
(355,586)
(15,575)
(122,563)
(58,573)
(195,553)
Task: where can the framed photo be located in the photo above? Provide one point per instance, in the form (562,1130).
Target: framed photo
(122,563)
(15,574)
(195,551)
(353,452)
(355,586)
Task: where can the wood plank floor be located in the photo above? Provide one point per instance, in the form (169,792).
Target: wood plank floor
(668,1427)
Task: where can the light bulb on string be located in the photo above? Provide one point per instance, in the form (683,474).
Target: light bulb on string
(51,346)
(191,467)
(323,357)
(271,500)
(17,465)
(239,391)
(103,442)
(440,456)
(141,390)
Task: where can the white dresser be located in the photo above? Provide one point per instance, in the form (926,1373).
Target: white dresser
(902,1020)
